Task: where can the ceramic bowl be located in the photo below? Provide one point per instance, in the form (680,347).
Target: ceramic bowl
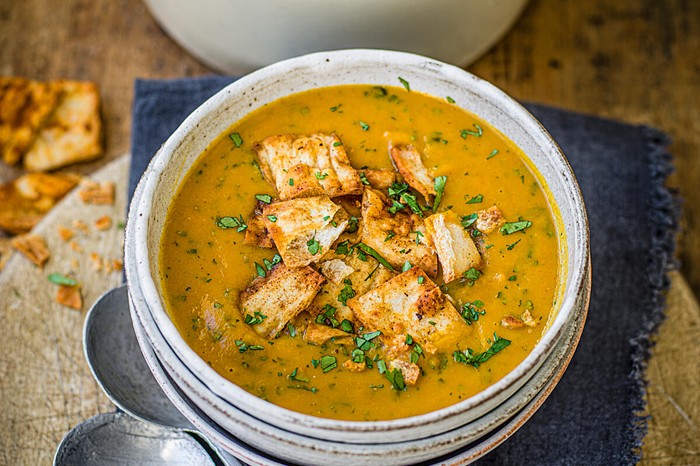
(170,165)
(236,36)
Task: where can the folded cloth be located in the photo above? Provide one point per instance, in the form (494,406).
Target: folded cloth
(594,415)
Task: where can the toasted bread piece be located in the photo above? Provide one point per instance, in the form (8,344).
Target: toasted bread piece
(408,162)
(302,166)
(256,234)
(410,303)
(454,246)
(489,219)
(301,222)
(398,237)
(280,296)
(73,133)
(379,179)
(24,201)
(25,106)
(364,276)
(409,370)
(319,334)
(32,247)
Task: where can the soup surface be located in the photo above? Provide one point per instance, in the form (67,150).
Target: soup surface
(366,290)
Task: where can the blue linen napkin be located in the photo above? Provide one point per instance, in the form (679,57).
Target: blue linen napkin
(593,416)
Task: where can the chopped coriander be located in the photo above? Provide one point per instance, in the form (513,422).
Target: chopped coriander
(450,99)
(467,132)
(231,222)
(469,220)
(363,125)
(363,178)
(395,376)
(476,359)
(411,201)
(321,176)
(513,227)
(347,292)
(328,363)
(418,236)
(314,246)
(326,217)
(406,266)
(315,362)
(295,376)
(364,342)
(405,84)
(276,259)
(266,198)
(353,225)
(396,207)
(364,248)
(342,247)
(255,319)
(381,366)
(337,143)
(60,279)
(260,270)
(511,246)
(439,186)
(335,108)
(291,182)
(470,312)
(381,385)
(389,235)
(512,278)
(192,251)
(396,189)
(472,274)
(421,279)
(327,316)
(358,356)
(121,225)
(476,199)
(236,138)
(492,154)
(346,326)
(292,330)
(272,218)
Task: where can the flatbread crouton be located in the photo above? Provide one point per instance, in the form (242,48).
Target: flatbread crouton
(302,166)
(410,303)
(363,277)
(408,162)
(73,133)
(256,234)
(270,302)
(379,179)
(24,108)
(305,228)
(319,334)
(32,247)
(489,219)
(454,246)
(25,201)
(399,237)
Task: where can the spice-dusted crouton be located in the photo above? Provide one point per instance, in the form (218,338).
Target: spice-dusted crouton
(409,370)
(24,107)
(304,228)
(379,179)
(335,270)
(301,166)
(511,322)
(73,133)
(69,296)
(454,246)
(353,366)
(256,234)
(24,201)
(408,163)
(32,247)
(270,302)
(410,303)
(363,277)
(489,219)
(399,237)
(319,334)
(528,319)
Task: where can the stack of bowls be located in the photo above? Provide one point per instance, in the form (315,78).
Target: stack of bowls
(262,433)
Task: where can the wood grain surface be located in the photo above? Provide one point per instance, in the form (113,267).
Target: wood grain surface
(633,60)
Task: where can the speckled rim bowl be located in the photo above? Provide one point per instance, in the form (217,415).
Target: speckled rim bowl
(170,165)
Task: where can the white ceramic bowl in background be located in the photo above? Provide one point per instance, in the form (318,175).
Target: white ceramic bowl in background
(236,36)
(177,155)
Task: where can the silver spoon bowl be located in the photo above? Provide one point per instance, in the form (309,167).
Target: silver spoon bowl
(116,362)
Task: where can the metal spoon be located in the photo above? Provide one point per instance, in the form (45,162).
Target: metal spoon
(116,362)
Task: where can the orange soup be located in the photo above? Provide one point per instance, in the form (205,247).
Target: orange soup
(361,253)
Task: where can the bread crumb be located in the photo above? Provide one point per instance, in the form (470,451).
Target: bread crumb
(80,226)
(75,246)
(33,248)
(97,193)
(66,234)
(69,296)
(103,223)
(96,261)
(117,265)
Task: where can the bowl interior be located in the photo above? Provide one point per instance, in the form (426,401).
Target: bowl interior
(170,166)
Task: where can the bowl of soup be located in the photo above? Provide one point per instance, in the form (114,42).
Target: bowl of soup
(364,247)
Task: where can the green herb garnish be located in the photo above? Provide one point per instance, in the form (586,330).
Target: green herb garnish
(513,227)
(353,225)
(236,138)
(60,279)
(439,186)
(260,270)
(406,266)
(272,218)
(266,198)
(232,222)
(469,220)
(472,274)
(395,376)
(328,363)
(389,235)
(470,311)
(363,125)
(320,176)
(364,342)
(450,99)
(368,250)
(492,154)
(511,246)
(476,359)
(314,246)
(467,132)
(405,84)
(347,292)
(476,199)
(364,179)
(342,247)
(255,319)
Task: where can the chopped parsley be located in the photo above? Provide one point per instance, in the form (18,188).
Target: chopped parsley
(405,84)
(266,198)
(467,132)
(291,182)
(368,250)
(469,220)
(327,317)
(511,246)
(335,109)
(321,176)
(231,222)
(476,359)
(295,376)
(418,236)
(272,218)
(276,259)
(492,154)
(406,266)
(328,363)
(363,178)
(260,270)
(314,246)
(389,235)
(364,342)
(337,143)
(60,279)
(472,275)
(514,227)
(363,125)
(346,326)
(395,376)
(243,346)
(439,186)
(353,225)
(421,279)
(476,199)
(342,247)
(347,292)
(236,138)
(471,311)
(255,319)
(450,99)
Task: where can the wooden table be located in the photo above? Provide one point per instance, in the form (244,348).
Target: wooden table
(633,60)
